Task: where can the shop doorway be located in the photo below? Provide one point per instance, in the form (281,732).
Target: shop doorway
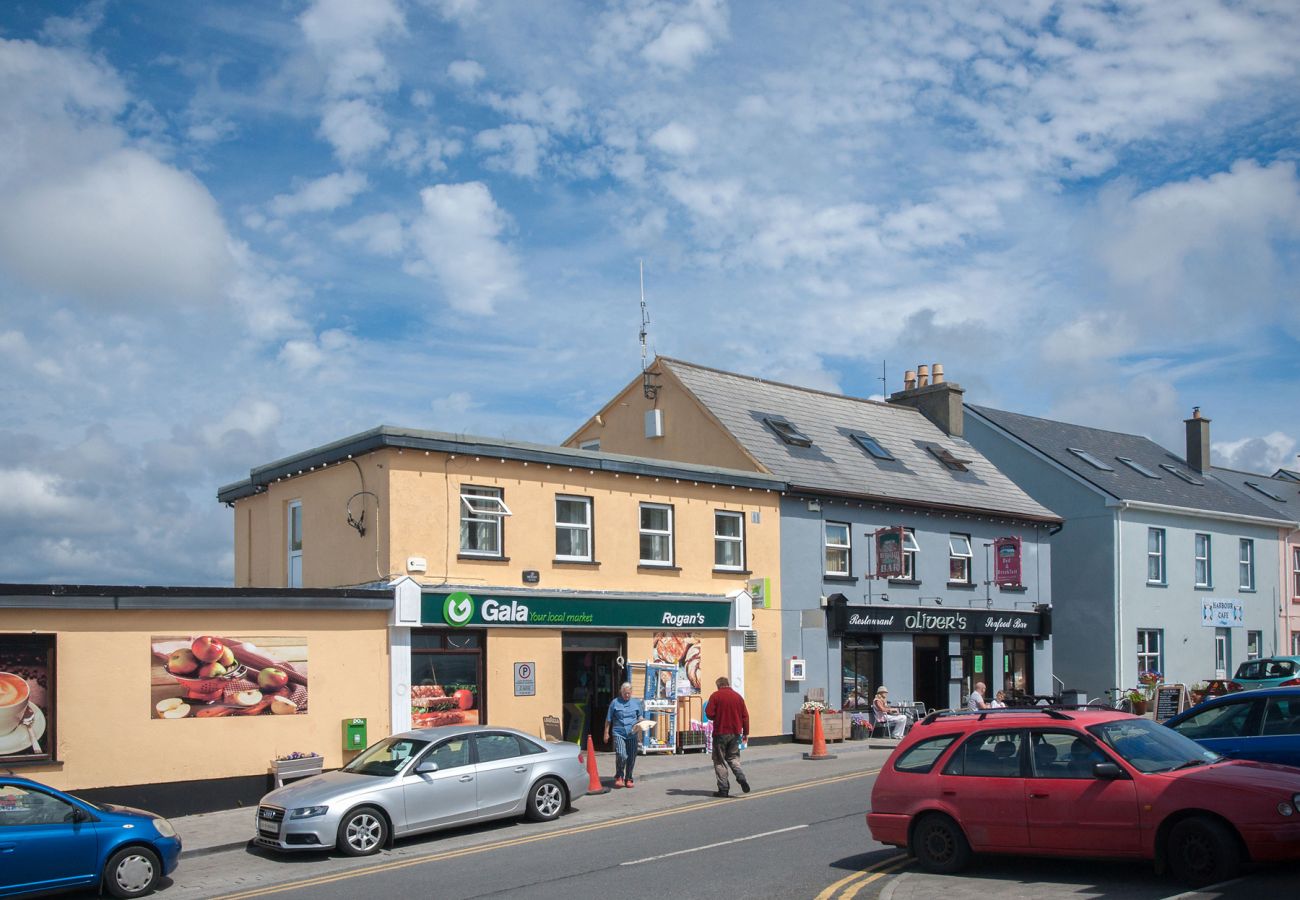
(930,670)
(591,675)
(976,666)
(1017,667)
(860,676)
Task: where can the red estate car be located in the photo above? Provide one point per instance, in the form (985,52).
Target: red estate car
(1082,783)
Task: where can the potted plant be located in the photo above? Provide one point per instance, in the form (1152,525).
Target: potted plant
(1197,691)
(1150,681)
(296,765)
(1138,700)
(835,724)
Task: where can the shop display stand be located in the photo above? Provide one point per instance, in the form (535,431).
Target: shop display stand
(658,685)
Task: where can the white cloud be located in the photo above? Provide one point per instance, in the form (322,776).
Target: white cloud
(354,127)
(29,494)
(675,138)
(325,194)
(380,234)
(559,109)
(669,35)
(466,72)
(1264,454)
(459,237)
(516,149)
(345,36)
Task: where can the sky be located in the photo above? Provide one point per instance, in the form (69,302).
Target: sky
(234,231)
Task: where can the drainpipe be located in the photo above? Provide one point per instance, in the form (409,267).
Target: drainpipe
(1119,598)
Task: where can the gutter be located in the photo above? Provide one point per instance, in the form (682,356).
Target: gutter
(1145,506)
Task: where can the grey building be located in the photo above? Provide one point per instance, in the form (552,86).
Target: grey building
(1162,565)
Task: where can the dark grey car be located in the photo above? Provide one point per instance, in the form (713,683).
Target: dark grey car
(419,781)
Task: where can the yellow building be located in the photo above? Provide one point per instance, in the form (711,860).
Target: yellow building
(530,579)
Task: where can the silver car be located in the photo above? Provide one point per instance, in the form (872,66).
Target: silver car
(419,781)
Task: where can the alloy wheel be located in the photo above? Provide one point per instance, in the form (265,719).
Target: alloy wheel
(364,832)
(549,799)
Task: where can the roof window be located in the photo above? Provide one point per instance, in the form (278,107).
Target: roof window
(1181,474)
(788,433)
(1265,491)
(1137,467)
(872,446)
(945,456)
(1090,459)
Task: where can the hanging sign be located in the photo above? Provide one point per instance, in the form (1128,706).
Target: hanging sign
(889,553)
(1006,561)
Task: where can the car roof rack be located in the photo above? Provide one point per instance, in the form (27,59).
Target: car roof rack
(1052,712)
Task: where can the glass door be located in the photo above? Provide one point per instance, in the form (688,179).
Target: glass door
(1222,652)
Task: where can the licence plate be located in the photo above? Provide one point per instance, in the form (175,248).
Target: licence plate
(268,828)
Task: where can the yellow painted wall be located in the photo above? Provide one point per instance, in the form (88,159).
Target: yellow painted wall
(507,646)
(691,434)
(107,735)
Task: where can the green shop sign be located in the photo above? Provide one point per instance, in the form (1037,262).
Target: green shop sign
(461,608)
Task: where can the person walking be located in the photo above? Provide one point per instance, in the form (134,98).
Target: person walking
(620,721)
(975,702)
(727,711)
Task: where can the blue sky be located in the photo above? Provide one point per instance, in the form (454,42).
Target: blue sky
(232,231)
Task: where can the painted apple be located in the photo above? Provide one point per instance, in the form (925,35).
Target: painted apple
(272,678)
(464,699)
(212,670)
(227,658)
(183,662)
(208,648)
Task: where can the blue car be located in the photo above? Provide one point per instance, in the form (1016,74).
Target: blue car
(1262,725)
(1272,671)
(53,841)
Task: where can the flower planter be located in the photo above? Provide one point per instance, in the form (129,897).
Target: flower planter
(290,769)
(835,727)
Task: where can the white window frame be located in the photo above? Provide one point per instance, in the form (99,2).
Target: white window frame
(955,552)
(293,561)
(483,505)
(1295,573)
(1223,651)
(585,528)
(1158,556)
(1206,559)
(1150,649)
(656,532)
(911,550)
(1254,645)
(1295,643)
(829,547)
(1246,564)
(722,540)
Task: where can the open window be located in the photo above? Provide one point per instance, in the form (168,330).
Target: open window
(787,432)
(948,458)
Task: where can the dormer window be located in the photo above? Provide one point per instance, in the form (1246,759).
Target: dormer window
(1138,467)
(788,433)
(1179,473)
(946,456)
(872,446)
(1090,459)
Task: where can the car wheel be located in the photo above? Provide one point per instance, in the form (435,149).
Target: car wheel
(546,800)
(938,845)
(1202,851)
(362,832)
(132,872)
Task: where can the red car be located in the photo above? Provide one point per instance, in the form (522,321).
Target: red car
(1080,783)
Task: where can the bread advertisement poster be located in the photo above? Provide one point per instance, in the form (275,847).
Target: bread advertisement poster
(208,676)
(680,649)
(26,697)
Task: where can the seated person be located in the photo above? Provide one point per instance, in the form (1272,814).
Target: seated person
(890,715)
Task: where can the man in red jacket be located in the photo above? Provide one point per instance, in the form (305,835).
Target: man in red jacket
(726,710)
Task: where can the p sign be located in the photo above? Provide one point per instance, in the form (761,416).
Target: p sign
(525,679)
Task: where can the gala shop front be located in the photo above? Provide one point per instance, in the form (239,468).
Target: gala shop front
(549,663)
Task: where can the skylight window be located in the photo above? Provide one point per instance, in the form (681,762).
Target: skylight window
(1181,474)
(788,433)
(1137,467)
(1090,459)
(946,457)
(872,446)
(1265,491)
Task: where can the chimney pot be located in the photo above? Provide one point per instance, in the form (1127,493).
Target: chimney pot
(938,373)
(1196,412)
(909,380)
(922,375)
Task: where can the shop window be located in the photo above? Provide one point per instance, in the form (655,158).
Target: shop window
(446,678)
(861,665)
(1246,564)
(482,512)
(728,540)
(573,529)
(835,536)
(1254,644)
(656,534)
(1155,556)
(1203,570)
(293,577)
(959,559)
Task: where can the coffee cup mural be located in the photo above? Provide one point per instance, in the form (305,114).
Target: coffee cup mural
(26,696)
(207,676)
(14,696)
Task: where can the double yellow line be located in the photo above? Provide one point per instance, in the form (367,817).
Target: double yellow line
(546,836)
(849,885)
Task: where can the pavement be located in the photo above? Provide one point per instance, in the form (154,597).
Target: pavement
(686,774)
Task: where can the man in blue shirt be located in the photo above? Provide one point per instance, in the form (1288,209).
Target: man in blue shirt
(624,713)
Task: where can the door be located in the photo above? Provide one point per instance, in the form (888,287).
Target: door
(930,671)
(1228,728)
(1069,808)
(976,668)
(984,782)
(1222,652)
(446,796)
(590,683)
(42,847)
(504,773)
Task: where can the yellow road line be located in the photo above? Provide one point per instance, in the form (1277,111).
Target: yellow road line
(879,873)
(830,889)
(515,842)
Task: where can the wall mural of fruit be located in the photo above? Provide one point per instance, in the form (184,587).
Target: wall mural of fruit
(207,676)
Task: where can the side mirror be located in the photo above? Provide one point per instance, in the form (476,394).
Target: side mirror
(1106,770)
(77,815)
(426,766)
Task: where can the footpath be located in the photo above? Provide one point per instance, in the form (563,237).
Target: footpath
(685,777)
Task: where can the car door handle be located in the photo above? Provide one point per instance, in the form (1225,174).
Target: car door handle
(8,848)
(521,768)
(467,778)
(949,793)
(1039,796)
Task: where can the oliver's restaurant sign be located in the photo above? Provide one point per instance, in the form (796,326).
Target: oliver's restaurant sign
(908,620)
(461,608)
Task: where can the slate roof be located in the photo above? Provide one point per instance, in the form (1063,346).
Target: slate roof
(834,463)
(1054,440)
(1288,507)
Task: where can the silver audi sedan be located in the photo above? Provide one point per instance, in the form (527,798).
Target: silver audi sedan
(419,781)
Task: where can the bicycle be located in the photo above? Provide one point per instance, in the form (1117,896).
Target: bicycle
(1116,698)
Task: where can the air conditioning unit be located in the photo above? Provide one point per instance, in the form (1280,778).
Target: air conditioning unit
(654,423)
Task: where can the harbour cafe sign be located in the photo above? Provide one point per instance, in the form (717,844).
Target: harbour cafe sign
(909,620)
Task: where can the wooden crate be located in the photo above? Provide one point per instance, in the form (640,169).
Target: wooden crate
(835,727)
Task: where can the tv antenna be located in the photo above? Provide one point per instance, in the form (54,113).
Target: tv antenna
(884,379)
(651,391)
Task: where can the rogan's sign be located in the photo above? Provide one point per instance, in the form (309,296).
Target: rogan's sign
(909,620)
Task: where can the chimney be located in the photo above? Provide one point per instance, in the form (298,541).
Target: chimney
(939,402)
(1198,441)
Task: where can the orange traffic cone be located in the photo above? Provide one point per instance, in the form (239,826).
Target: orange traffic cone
(819,740)
(594,786)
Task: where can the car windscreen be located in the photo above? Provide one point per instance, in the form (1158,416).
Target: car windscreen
(387,757)
(1149,747)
